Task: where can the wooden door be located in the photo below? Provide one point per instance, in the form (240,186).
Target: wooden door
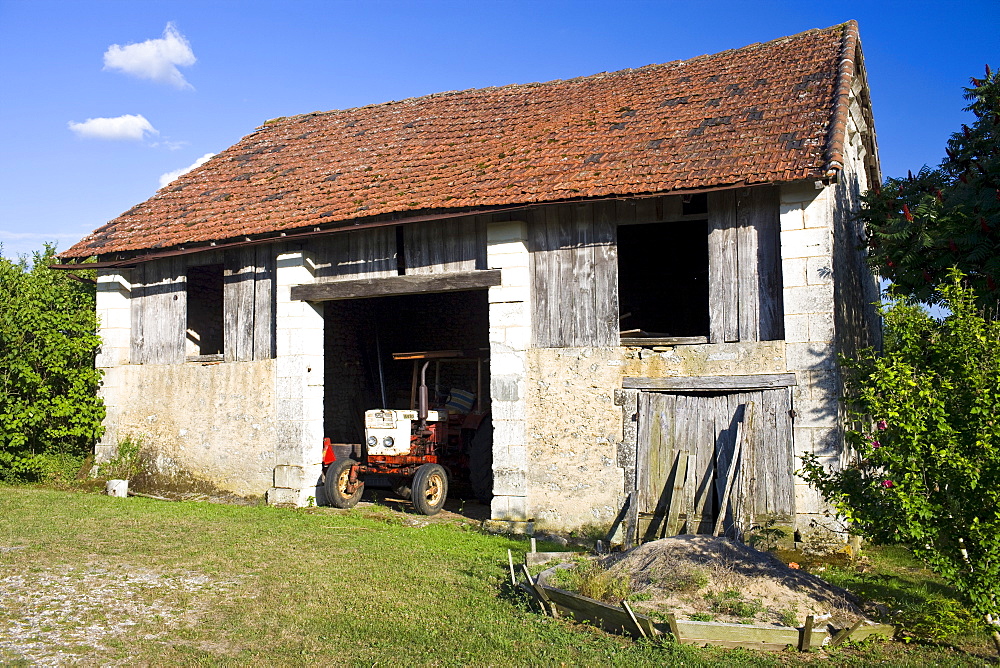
(686,446)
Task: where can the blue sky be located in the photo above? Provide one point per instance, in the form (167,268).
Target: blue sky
(101,99)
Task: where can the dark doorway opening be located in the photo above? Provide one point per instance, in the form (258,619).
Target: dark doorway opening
(663,279)
(204,311)
(361,336)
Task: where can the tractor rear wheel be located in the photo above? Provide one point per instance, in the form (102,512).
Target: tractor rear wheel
(337,483)
(430,489)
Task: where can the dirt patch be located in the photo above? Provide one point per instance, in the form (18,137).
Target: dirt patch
(56,617)
(716,579)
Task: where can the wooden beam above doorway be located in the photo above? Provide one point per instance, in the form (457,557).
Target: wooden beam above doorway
(397,285)
(711,383)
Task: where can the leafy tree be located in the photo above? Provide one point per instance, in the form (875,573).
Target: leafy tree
(926,446)
(50,414)
(921,226)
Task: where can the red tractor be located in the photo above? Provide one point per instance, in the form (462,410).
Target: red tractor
(420,449)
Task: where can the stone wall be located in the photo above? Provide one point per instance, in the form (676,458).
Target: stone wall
(578,470)
(206,427)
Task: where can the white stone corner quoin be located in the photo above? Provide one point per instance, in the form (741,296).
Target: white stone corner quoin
(510,336)
(299,386)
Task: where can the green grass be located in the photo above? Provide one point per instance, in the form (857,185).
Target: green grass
(220,585)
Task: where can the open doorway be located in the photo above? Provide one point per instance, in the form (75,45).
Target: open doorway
(365,369)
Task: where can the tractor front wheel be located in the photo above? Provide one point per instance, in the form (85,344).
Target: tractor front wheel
(430,489)
(338,484)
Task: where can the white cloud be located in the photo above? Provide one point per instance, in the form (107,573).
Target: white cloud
(154,59)
(170,176)
(130,126)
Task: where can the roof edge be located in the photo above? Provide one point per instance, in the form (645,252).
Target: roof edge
(140,255)
(842,99)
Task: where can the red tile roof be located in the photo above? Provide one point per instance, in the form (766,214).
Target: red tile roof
(761,114)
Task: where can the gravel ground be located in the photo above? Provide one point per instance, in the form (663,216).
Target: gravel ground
(68,616)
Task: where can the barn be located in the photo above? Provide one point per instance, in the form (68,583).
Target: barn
(653,270)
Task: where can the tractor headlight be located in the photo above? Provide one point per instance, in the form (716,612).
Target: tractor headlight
(372,441)
(388,441)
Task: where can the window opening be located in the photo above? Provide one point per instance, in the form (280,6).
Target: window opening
(204,311)
(663,280)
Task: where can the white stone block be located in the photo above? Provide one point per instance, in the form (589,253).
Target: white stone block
(513,457)
(504,363)
(791,216)
(808,299)
(289,408)
(817,412)
(516,276)
(802,191)
(820,384)
(282,496)
(803,356)
(513,230)
(509,482)
(508,410)
(512,314)
(506,387)
(500,294)
(796,328)
(821,327)
(509,432)
(498,260)
(829,444)
(793,272)
(312,410)
(808,500)
(517,509)
(499,508)
(289,476)
(819,270)
(517,338)
(117,318)
(806,243)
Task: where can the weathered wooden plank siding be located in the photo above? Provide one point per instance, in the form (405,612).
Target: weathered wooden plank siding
(264,304)
(706,427)
(249,309)
(445,246)
(745,302)
(159,312)
(159,305)
(238,305)
(723,293)
(356,254)
(765,206)
(571,299)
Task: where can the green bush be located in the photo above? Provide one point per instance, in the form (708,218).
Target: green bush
(50,414)
(926,464)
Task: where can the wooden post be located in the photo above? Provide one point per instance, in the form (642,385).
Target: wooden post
(845,634)
(672,621)
(628,609)
(510,562)
(543,599)
(805,643)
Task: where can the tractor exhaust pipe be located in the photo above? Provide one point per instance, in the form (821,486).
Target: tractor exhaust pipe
(422,402)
